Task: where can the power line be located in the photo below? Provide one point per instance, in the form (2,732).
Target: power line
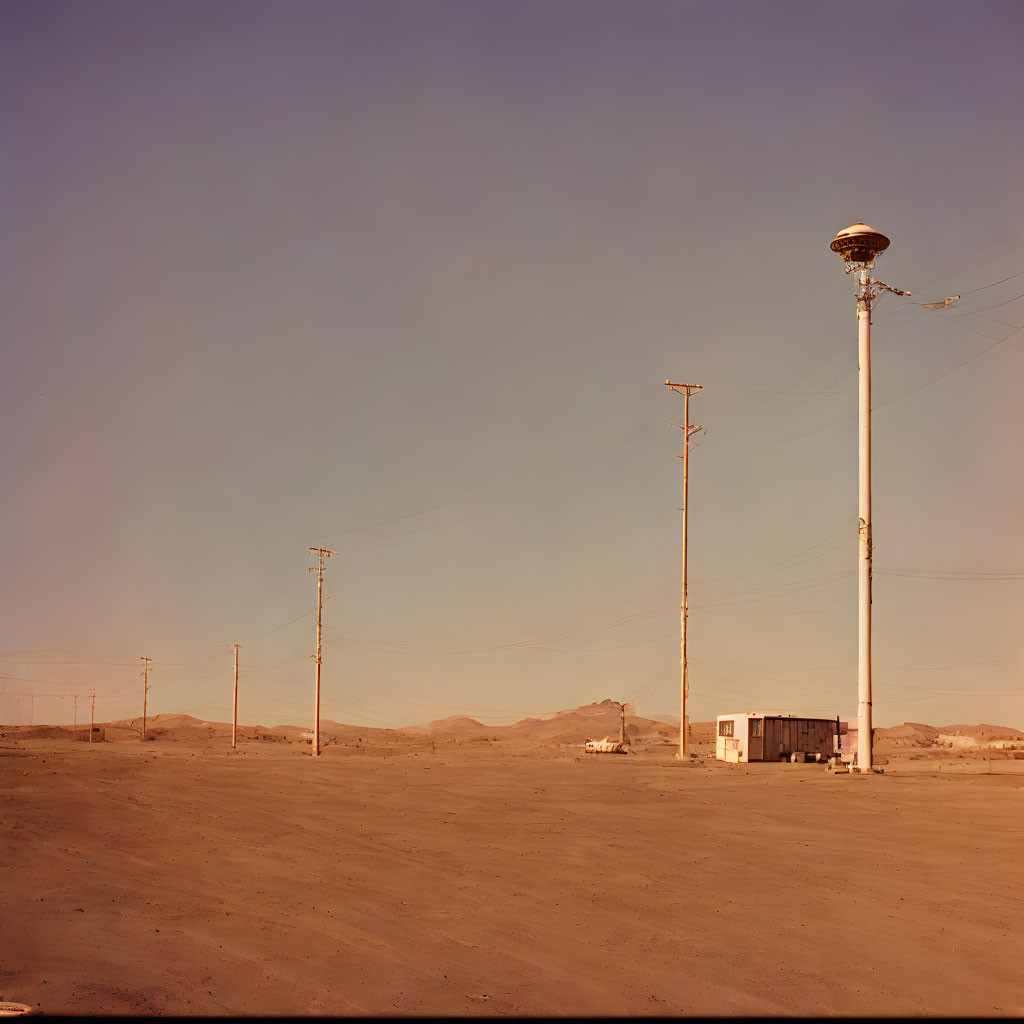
(1002,280)
(290,622)
(789,563)
(815,580)
(956,577)
(996,305)
(806,611)
(385,522)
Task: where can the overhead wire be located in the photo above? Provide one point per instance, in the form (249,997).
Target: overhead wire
(791,562)
(804,611)
(1002,280)
(956,577)
(383,522)
(782,586)
(954,259)
(535,642)
(259,636)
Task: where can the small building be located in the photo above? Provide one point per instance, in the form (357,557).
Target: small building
(771,736)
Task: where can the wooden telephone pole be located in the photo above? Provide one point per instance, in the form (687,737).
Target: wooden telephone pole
(145,692)
(684,688)
(322,553)
(234,718)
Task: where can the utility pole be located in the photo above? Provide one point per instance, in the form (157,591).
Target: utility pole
(234,719)
(865,547)
(92,717)
(322,553)
(684,688)
(145,693)
(858,245)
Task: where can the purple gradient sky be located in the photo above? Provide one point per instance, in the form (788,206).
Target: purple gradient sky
(281,274)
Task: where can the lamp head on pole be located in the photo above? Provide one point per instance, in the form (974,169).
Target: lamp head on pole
(859,243)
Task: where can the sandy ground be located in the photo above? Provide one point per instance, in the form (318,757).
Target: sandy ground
(175,880)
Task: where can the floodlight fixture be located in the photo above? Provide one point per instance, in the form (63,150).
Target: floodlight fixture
(859,243)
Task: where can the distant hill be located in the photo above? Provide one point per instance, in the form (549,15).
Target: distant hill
(573,726)
(459,725)
(590,721)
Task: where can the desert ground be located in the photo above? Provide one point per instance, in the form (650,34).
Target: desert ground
(452,876)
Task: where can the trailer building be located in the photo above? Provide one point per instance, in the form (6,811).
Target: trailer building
(771,736)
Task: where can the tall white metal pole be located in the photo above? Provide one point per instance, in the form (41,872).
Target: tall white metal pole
(858,246)
(864,525)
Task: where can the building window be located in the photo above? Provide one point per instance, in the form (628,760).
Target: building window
(725,728)
(755,727)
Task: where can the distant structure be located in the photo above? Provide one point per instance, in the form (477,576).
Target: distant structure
(605,747)
(771,736)
(608,745)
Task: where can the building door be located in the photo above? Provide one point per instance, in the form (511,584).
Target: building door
(778,739)
(755,743)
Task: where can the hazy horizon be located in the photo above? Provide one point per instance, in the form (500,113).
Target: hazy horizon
(405,280)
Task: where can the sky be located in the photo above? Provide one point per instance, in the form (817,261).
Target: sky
(405,280)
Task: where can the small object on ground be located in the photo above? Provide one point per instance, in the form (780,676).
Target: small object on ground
(605,747)
(14,1009)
